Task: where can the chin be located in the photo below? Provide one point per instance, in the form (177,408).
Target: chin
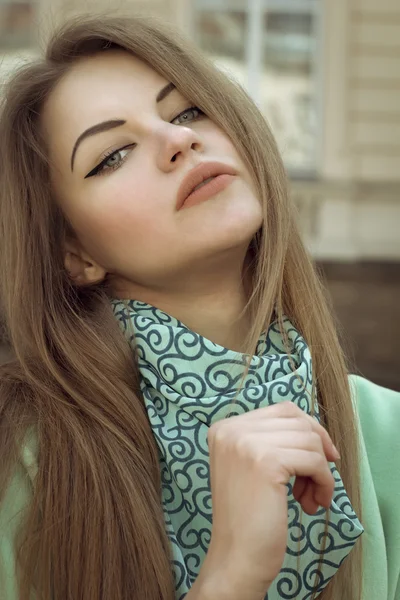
(241,219)
(232,233)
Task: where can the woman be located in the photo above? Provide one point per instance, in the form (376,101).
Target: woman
(141,312)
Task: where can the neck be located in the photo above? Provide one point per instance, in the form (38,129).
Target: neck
(218,315)
(213,306)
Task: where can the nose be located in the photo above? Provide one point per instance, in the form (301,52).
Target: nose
(175,142)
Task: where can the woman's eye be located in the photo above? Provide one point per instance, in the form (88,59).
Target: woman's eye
(115,159)
(185,115)
(111,162)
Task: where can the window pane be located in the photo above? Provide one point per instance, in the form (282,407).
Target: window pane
(222,35)
(16,24)
(288,91)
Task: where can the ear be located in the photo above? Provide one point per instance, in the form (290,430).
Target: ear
(82,269)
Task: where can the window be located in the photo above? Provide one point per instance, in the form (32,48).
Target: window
(273,48)
(222,33)
(16,24)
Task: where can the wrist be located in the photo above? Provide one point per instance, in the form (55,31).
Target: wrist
(224,582)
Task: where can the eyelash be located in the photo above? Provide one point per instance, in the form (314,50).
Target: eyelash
(100,170)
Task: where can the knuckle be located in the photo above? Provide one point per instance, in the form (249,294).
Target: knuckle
(217,434)
(315,441)
(320,461)
(289,408)
(245,447)
(302,423)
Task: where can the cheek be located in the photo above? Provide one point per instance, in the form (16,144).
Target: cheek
(125,218)
(226,148)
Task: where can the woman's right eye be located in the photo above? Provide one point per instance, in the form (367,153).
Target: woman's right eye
(111,162)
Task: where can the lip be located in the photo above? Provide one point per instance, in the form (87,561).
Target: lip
(199,174)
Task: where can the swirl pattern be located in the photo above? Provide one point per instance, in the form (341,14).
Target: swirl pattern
(188,383)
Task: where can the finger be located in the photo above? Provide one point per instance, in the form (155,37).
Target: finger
(296,433)
(302,440)
(313,465)
(307,501)
(328,446)
(283,409)
(277,417)
(286,411)
(299,486)
(304,494)
(297,423)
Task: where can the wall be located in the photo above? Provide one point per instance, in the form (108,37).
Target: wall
(353,212)
(374,89)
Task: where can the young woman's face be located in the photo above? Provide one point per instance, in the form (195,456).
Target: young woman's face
(118,186)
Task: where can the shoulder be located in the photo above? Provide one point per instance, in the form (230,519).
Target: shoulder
(19,489)
(378,414)
(378,411)
(16,499)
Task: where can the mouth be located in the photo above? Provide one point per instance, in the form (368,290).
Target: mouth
(204,181)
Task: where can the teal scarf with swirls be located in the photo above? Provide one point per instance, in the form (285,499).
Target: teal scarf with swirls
(188,383)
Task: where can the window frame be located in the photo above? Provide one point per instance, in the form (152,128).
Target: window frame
(256,10)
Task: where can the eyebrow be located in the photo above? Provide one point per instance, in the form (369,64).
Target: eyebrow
(111,124)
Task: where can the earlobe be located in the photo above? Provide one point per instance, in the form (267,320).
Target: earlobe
(93,273)
(83,272)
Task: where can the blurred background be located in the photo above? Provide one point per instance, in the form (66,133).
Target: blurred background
(326,75)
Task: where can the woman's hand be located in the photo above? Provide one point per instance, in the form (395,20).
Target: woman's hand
(252,458)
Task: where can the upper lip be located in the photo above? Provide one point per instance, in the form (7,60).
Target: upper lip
(199,174)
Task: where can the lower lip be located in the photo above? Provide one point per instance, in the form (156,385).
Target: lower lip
(211,188)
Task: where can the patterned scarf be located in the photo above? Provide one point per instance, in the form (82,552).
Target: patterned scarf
(188,383)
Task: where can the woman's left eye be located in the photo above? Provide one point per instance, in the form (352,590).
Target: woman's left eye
(184,115)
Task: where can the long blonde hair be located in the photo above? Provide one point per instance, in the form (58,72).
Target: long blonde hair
(95,527)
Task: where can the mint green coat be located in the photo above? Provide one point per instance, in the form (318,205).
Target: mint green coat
(378,411)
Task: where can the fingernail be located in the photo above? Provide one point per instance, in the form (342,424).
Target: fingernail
(335,452)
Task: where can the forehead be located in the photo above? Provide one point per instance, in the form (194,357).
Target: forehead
(100,87)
